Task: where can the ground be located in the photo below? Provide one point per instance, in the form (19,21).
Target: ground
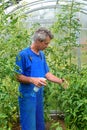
(48,124)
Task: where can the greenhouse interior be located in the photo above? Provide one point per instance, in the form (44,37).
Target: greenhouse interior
(64,83)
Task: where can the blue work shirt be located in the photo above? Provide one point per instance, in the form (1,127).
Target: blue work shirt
(30,64)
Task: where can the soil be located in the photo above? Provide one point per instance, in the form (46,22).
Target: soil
(48,124)
(55,119)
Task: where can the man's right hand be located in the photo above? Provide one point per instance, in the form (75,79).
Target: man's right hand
(39,82)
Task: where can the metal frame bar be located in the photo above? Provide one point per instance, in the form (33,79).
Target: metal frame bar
(32,4)
(41,8)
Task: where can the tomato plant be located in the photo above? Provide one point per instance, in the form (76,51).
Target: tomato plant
(62,61)
(12,39)
(73,101)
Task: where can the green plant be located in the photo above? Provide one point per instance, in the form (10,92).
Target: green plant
(59,55)
(73,101)
(12,39)
(56,126)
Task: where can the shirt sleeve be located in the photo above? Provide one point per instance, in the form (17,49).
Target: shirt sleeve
(20,64)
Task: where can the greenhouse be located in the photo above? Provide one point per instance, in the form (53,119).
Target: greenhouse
(43,65)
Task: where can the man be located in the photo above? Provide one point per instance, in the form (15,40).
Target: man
(31,70)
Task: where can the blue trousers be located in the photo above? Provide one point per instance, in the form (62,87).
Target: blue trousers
(31,112)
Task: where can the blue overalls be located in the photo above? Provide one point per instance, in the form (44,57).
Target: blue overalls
(31,108)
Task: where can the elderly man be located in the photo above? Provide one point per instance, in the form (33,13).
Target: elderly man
(31,69)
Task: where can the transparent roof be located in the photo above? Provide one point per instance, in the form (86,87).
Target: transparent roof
(42,11)
(34,5)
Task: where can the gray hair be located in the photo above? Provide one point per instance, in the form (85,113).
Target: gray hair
(41,34)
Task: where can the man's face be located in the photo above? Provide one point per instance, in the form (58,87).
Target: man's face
(43,45)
